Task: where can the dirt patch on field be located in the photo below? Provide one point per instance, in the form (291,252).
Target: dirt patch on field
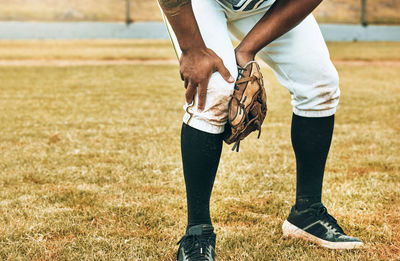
(162,62)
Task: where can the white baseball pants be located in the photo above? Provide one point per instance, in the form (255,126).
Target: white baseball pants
(299,59)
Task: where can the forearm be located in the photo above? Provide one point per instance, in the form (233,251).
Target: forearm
(197,62)
(180,15)
(279,19)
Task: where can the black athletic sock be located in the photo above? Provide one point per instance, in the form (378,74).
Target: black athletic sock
(201,152)
(311,140)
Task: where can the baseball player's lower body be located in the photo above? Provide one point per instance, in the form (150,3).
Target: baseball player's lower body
(301,62)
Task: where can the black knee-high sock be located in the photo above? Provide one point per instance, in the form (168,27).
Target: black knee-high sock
(201,152)
(311,140)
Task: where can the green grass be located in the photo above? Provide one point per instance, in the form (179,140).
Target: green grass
(333,11)
(91,170)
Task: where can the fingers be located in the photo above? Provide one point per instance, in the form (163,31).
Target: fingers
(186,83)
(190,92)
(224,72)
(202,93)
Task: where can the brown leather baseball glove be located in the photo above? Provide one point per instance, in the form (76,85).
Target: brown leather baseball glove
(248,106)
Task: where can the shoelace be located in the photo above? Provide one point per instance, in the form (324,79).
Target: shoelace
(323,213)
(195,246)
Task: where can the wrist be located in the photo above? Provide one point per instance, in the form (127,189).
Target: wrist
(245,47)
(243,57)
(198,47)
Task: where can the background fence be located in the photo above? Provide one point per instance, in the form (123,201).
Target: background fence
(330,11)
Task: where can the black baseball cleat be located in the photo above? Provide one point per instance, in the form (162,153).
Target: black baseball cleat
(316,225)
(197,244)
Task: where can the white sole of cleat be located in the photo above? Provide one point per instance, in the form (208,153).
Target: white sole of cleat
(290,230)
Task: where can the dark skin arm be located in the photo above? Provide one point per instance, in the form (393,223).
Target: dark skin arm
(197,62)
(279,19)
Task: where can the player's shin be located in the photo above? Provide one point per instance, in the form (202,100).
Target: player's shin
(311,140)
(201,152)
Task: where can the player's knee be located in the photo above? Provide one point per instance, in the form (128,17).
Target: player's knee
(320,96)
(219,93)
(213,118)
(330,91)
(332,77)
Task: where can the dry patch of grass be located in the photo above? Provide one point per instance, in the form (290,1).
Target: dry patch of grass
(161,49)
(365,51)
(85,49)
(90,167)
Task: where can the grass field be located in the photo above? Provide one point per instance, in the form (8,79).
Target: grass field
(90,160)
(87,49)
(333,11)
(109,50)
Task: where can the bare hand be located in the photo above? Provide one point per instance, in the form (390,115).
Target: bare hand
(196,67)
